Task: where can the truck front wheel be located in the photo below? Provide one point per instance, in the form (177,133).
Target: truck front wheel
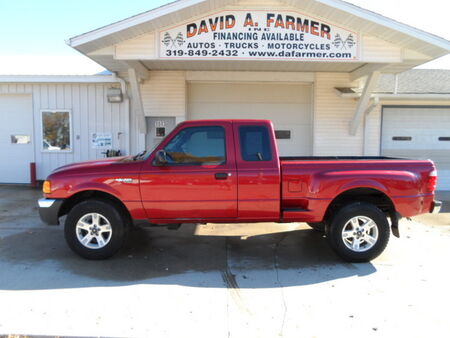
(95,229)
(359,232)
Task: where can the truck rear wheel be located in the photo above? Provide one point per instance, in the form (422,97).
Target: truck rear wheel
(95,229)
(359,232)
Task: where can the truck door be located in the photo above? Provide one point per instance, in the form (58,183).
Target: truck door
(198,181)
(258,171)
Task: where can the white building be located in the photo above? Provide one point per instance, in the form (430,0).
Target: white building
(312,67)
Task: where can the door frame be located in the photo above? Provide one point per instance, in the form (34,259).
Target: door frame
(34,144)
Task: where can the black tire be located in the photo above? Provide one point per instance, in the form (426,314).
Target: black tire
(320,226)
(109,212)
(334,232)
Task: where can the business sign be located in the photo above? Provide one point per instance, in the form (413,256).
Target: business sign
(101,140)
(259,35)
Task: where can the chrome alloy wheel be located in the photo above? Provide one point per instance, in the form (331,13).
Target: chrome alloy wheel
(360,234)
(93,231)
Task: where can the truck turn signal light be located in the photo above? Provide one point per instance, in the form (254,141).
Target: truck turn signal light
(47,187)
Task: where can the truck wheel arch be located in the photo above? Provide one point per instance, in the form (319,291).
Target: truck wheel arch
(361,194)
(80,196)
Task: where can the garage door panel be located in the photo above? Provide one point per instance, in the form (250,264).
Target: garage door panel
(420,154)
(287,105)
(416,117)
(253,111)
(298,141)
(259,93)
(419,139)
(424,127)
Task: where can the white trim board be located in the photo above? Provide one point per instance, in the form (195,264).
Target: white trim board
(57,79)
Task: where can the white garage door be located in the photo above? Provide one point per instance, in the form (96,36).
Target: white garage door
(287,105)
(419,133)
(16,138)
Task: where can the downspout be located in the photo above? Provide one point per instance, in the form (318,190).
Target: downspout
(372,106)
(396,84)
(123,85)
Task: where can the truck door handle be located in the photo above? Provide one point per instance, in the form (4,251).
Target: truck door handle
(222,176)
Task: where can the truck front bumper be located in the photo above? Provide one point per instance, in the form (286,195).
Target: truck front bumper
(436,208)
(49,210)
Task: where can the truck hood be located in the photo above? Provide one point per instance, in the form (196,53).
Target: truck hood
(96,164)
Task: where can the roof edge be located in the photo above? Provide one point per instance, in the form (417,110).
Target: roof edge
(388,22)
(169,8)
(57,79)
(118,26)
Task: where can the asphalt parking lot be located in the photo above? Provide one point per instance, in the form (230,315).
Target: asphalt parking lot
(192,282)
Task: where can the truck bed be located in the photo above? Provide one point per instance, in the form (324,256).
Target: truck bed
(303,177)
(334,158)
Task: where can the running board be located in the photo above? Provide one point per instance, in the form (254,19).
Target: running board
(296,215)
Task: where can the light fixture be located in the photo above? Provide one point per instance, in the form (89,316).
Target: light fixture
(114,95)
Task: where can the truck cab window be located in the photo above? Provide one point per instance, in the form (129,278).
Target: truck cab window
(255,143)
(197,146)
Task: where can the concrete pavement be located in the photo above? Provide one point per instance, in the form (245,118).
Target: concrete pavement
(192,283)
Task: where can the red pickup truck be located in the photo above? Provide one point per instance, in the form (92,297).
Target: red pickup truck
(229,171)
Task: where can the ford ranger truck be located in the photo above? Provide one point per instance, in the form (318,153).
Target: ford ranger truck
(230,171)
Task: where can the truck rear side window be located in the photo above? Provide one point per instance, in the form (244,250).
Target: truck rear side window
(197,146)
(255,143)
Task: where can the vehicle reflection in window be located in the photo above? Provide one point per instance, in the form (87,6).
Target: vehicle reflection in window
(197,146)
(56,130)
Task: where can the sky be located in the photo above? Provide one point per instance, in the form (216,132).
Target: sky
(34,32)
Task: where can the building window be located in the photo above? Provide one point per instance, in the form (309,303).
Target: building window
(160,131)
(444,138)
(56,130)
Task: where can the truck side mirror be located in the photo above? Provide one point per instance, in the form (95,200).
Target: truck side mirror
(161,158)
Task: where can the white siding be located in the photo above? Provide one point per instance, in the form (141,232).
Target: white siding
(91,113)
(141,47)
(376,50)
(164,94)
(332,118)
